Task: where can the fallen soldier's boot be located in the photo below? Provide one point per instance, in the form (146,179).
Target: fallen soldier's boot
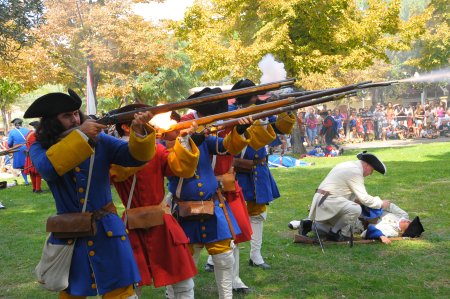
(305,227)
(294,224)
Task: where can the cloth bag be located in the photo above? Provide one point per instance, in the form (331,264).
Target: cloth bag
(53,269)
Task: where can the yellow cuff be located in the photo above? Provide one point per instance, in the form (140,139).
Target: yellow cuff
(143,149)
(119,173)
(285,122)
(260,136)
(235,143)
(182,162)
(69,152)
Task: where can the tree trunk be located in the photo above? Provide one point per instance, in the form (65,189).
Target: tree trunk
(296,142)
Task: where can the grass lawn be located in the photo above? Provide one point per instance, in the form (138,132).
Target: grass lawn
(418,180)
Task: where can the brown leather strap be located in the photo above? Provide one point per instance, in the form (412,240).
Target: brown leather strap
(225,212)
(325,195)
(109,208)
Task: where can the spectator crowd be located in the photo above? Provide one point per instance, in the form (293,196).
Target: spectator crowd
(379,122)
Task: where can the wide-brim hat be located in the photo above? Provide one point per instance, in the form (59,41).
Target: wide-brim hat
(210,108)
(373,161)
(415,229)
(53,104)
(34,123)
(17,120)
(243,83)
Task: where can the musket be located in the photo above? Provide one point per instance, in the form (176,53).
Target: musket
(110,119)
(232,122)
(263,107)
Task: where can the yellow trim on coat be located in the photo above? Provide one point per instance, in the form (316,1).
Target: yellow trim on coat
(214,248)
(69,152)
(235,143)
(143,149)
(120,173)
(285,122)
(260,136)
(183,162)
(255,209)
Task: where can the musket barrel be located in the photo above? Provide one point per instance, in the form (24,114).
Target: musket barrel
(254,90)
(259,108)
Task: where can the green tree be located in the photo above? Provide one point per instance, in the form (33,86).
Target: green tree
(9,91)
(17,18)
(228,38)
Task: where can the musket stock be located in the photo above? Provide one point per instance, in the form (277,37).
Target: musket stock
(110,119)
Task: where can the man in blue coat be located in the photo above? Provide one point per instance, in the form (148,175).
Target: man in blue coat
(252,171)
(102,264)
(16,137)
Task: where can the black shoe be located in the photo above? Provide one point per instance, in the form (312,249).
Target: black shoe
(39,191)
(209,268)
(305,227)
(243,291)
(337,237)
(263,266)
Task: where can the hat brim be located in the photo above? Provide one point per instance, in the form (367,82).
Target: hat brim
(52,104)
(373,161)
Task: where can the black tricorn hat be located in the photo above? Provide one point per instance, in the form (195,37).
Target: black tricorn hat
(211,107)
(53,104)
(415,229)
(243,83)
(17,120)
(34,124)
(373,161)
(128,108)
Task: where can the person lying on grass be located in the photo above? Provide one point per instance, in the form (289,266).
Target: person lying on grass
(390,222)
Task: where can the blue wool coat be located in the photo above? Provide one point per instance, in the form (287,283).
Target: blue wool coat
(16,136)
(201,186)
(105,261)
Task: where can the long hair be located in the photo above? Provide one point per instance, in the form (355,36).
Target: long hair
(50,128)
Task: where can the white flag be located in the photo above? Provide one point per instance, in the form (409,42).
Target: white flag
(91,109)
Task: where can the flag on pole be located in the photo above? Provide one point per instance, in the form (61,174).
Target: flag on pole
(91,109)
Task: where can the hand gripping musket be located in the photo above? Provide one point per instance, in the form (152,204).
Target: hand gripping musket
(110,119)
(263,107)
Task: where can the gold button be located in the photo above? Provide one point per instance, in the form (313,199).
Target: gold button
(94,286)
(256,156)
(70,241)
(256,172)
(262,163)
(199,184)
(90,243)
(203,227)
(201,193)
(123,238)
(197,177)
(126,230)
(254,167)
(203,235)
(109,233)
(92,253)
(220,205)
(77,169)
(82,200)
(81,190)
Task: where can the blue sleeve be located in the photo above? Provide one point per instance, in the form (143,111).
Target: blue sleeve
(214,143)
(42,163)
(10,139)
(373,232)
(117,151)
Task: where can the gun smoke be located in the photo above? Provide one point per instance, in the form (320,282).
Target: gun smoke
(432,77)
